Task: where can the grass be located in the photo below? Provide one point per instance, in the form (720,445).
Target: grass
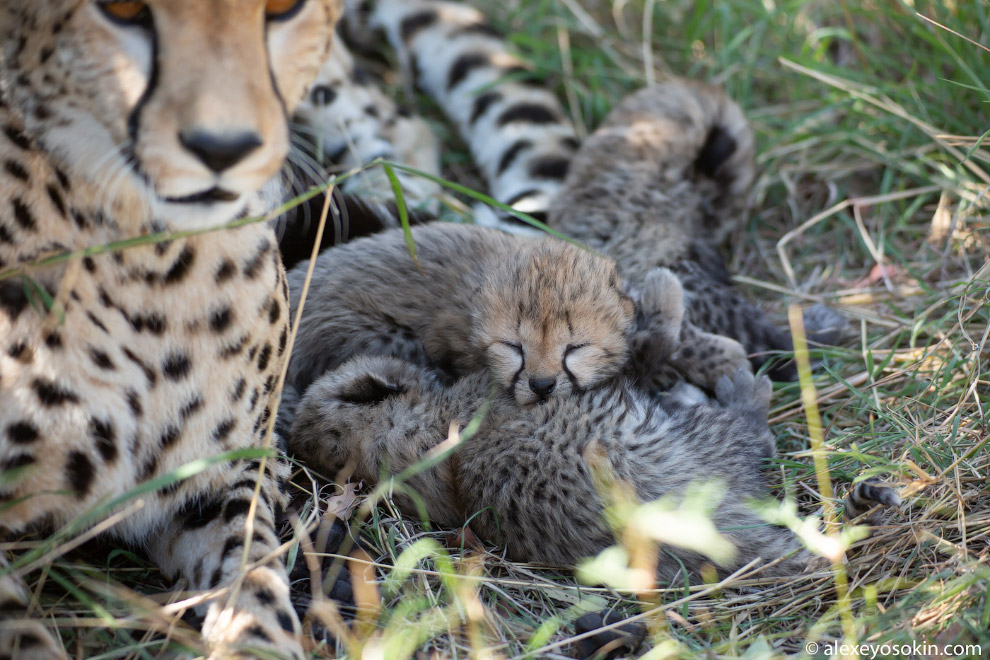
(872,197)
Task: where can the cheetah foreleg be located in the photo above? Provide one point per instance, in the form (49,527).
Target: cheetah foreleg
(21,636)
(204,543)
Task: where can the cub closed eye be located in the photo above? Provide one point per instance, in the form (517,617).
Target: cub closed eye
(277,10)
(573,347)
(513,345)
(127,13)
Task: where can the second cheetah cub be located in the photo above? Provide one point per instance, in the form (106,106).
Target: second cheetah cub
(523,480)
(546,316)
(662,182)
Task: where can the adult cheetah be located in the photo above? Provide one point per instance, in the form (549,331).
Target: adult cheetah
(121,120)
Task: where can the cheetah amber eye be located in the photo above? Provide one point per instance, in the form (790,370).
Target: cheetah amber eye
(281,9)
(126,12)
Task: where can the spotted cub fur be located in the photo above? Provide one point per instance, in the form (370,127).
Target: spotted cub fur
(661,183)
(547,316)
(523,479)
(119,120)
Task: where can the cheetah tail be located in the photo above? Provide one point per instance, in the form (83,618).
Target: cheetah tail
(868,494)
(724,165)
(726,155)
(519,134)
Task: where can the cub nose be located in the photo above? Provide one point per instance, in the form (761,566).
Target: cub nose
(220,151)
(542,387)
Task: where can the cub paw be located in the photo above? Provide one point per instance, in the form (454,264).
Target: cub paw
(823,325)
(816,564)
(705,357)
(744,392)
(661,293)
(685,394)
(661,305)
(729,357)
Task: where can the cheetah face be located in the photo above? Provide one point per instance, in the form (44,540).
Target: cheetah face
(172,110)
(558,326)
(539,362)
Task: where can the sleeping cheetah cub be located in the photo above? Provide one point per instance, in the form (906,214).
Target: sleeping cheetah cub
(522,480)
(548,317)
(119,120)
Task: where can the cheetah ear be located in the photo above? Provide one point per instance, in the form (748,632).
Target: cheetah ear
(367,389)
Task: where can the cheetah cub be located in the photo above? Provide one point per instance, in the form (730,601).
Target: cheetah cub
(547,317)
(522,479)
(662,182)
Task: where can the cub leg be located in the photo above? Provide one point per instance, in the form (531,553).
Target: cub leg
(665,348)
(705,357)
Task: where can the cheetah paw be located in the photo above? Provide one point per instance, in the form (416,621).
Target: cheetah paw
(824,325)
(704,357)
(685,394)
(260,623)
(816,564)
(28,640)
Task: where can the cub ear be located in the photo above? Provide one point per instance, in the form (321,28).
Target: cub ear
(368,388)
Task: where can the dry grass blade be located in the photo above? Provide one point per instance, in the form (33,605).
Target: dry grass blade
(950,30)
(888,105)
(855,203)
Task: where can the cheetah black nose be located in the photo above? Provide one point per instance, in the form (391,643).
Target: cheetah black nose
(220,151)
(542,387)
